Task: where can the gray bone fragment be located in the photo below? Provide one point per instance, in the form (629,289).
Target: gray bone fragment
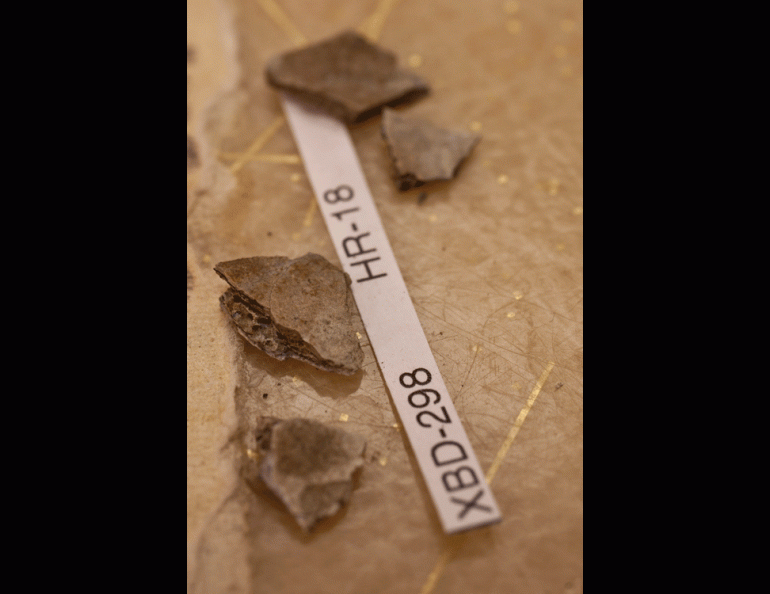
(308,465)
(346,76)
(422,152)
(298,308)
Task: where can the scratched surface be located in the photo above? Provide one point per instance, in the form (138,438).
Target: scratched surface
(492,261)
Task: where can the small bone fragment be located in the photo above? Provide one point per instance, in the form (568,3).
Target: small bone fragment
(299,308)
(422,152)
(346,76)
(308,465)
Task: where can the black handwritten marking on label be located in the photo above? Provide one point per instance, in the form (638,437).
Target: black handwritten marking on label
(467,505)
(428,413)
(369,276)
(413,379)
(425,394)
(353,245)
(339,194)
(356,239)
(339,214)
(446,457)
(456,480)
(447,452)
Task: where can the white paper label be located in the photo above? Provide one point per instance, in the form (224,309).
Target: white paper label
(452,474)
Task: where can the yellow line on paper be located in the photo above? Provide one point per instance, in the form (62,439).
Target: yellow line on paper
(452,546)
(287,159)
(257,145)
(280,18)
(310,212)
(518,423)
(372,26)
(438,569)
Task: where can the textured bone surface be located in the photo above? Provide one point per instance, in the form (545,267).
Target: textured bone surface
(298,308)
(346,76)
(308,465)
(422,152)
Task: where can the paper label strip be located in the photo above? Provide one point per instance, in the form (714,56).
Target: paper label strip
(446,459)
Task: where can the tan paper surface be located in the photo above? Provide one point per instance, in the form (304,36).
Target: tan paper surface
(493,264)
